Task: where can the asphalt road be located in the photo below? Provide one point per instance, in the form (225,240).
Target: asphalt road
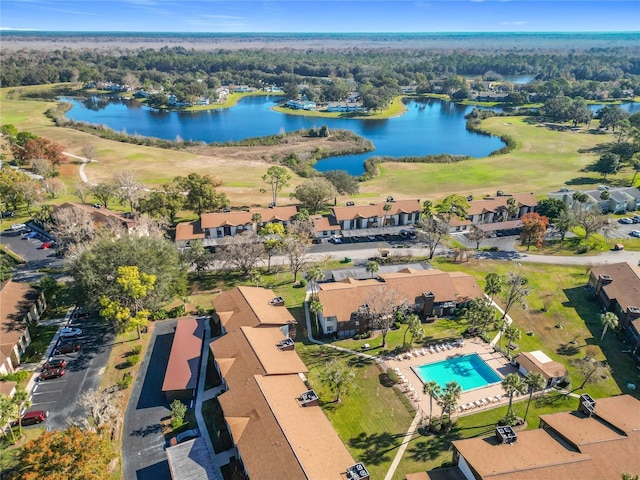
(143,443)
(84,370)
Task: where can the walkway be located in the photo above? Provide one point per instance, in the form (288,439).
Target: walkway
(83,176)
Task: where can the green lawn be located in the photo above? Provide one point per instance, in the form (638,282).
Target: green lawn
(9,453)
(373,420)
(563,317)
(426,452)
(544,160)
(41,336)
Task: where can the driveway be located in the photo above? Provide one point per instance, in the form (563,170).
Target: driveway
(143,444)
(83,372)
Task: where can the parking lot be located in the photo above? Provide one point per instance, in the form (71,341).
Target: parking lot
(621,230)
(31,249)
(84,369)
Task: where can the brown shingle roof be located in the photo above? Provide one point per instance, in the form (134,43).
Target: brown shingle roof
(376,209)
(492,204)
(100,216)
(324,224)
(314,441)
(542,454)
(340,299)
(189,231)
(530,361)
(250,306)
(625,288)
(274,361)
(184,359)
(237,218)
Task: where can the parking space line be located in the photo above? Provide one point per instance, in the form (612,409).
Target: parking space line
(42,403)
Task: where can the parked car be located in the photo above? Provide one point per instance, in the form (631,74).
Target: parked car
(636,219)
(52,373)
(79,313)
(626,221)
(335,239)
(8,214)
(68,347)
(69,332)
(184,436)
(32,417)
(31,235)
(16,227)
(55,363)
(635,233)
(46,245)
(618,247)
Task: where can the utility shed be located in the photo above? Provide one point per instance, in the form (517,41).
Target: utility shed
(181,377)
(191,461)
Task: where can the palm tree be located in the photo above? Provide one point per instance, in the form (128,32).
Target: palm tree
(512,208)
(314,275)
(609,320)
(512,334)
(387,208)
(7,410)
(493,285)
(316,307)
(449,398)
(373,267)
(534,381)
(433,390)
(22,401)
(512,384)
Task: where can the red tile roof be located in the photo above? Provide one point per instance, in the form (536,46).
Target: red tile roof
(184,360)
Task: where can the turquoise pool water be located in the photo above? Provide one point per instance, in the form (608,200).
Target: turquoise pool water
(469,371)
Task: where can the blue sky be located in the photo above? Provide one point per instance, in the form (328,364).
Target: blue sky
(321,15)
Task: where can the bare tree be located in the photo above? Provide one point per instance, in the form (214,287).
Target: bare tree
(476,234)
(54,187)
(82,191)
(591,370)
(432,231)
(516,290)
(41,166)
(102,409)
(590,221)
(242,252)
(382,304)
(296,247)
(127,187)
(88,152)
(72,226)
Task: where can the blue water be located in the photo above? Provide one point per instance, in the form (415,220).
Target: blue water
(428,127)
(469,371)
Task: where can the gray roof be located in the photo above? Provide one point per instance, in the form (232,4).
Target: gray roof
(191,461)
(362,274)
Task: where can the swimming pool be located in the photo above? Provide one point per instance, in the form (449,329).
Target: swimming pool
(469,371)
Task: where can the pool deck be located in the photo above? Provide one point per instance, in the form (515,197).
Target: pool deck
(491,395)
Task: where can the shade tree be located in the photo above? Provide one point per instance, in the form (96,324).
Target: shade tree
(339,378)
(534,229)
(277,178)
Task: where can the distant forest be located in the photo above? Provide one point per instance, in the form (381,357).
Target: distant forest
(381,68)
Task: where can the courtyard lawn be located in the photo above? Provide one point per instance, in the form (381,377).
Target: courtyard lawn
(563,318)
(543,160)
(373,420)
(428,452)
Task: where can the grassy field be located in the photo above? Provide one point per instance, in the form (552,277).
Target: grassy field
(543,161)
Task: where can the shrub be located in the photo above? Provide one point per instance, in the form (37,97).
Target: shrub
(18,376)
(303,282)
(178,411)
(132,360)
(582,249)
(159,315)
(136,350)
(176,312)
(125,381)
(393,376)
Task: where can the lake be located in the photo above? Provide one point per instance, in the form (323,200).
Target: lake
(428,127)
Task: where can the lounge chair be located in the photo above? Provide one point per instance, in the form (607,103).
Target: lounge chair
(478,403)
(496,399)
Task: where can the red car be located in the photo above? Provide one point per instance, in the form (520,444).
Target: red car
(34,416)
(49,374)
(55,363)
(46,245)
(68,347)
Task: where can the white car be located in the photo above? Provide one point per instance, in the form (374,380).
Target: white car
(626,221)
(16,227)
(69,332)
(635,233)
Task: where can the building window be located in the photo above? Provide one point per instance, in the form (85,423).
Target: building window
(329,329)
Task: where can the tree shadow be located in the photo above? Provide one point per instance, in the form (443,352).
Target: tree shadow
(146,431)
(385,380)
(432,447)
(376,446)
(568,350)
(583,181)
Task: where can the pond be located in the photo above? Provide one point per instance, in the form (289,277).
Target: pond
(428,127)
